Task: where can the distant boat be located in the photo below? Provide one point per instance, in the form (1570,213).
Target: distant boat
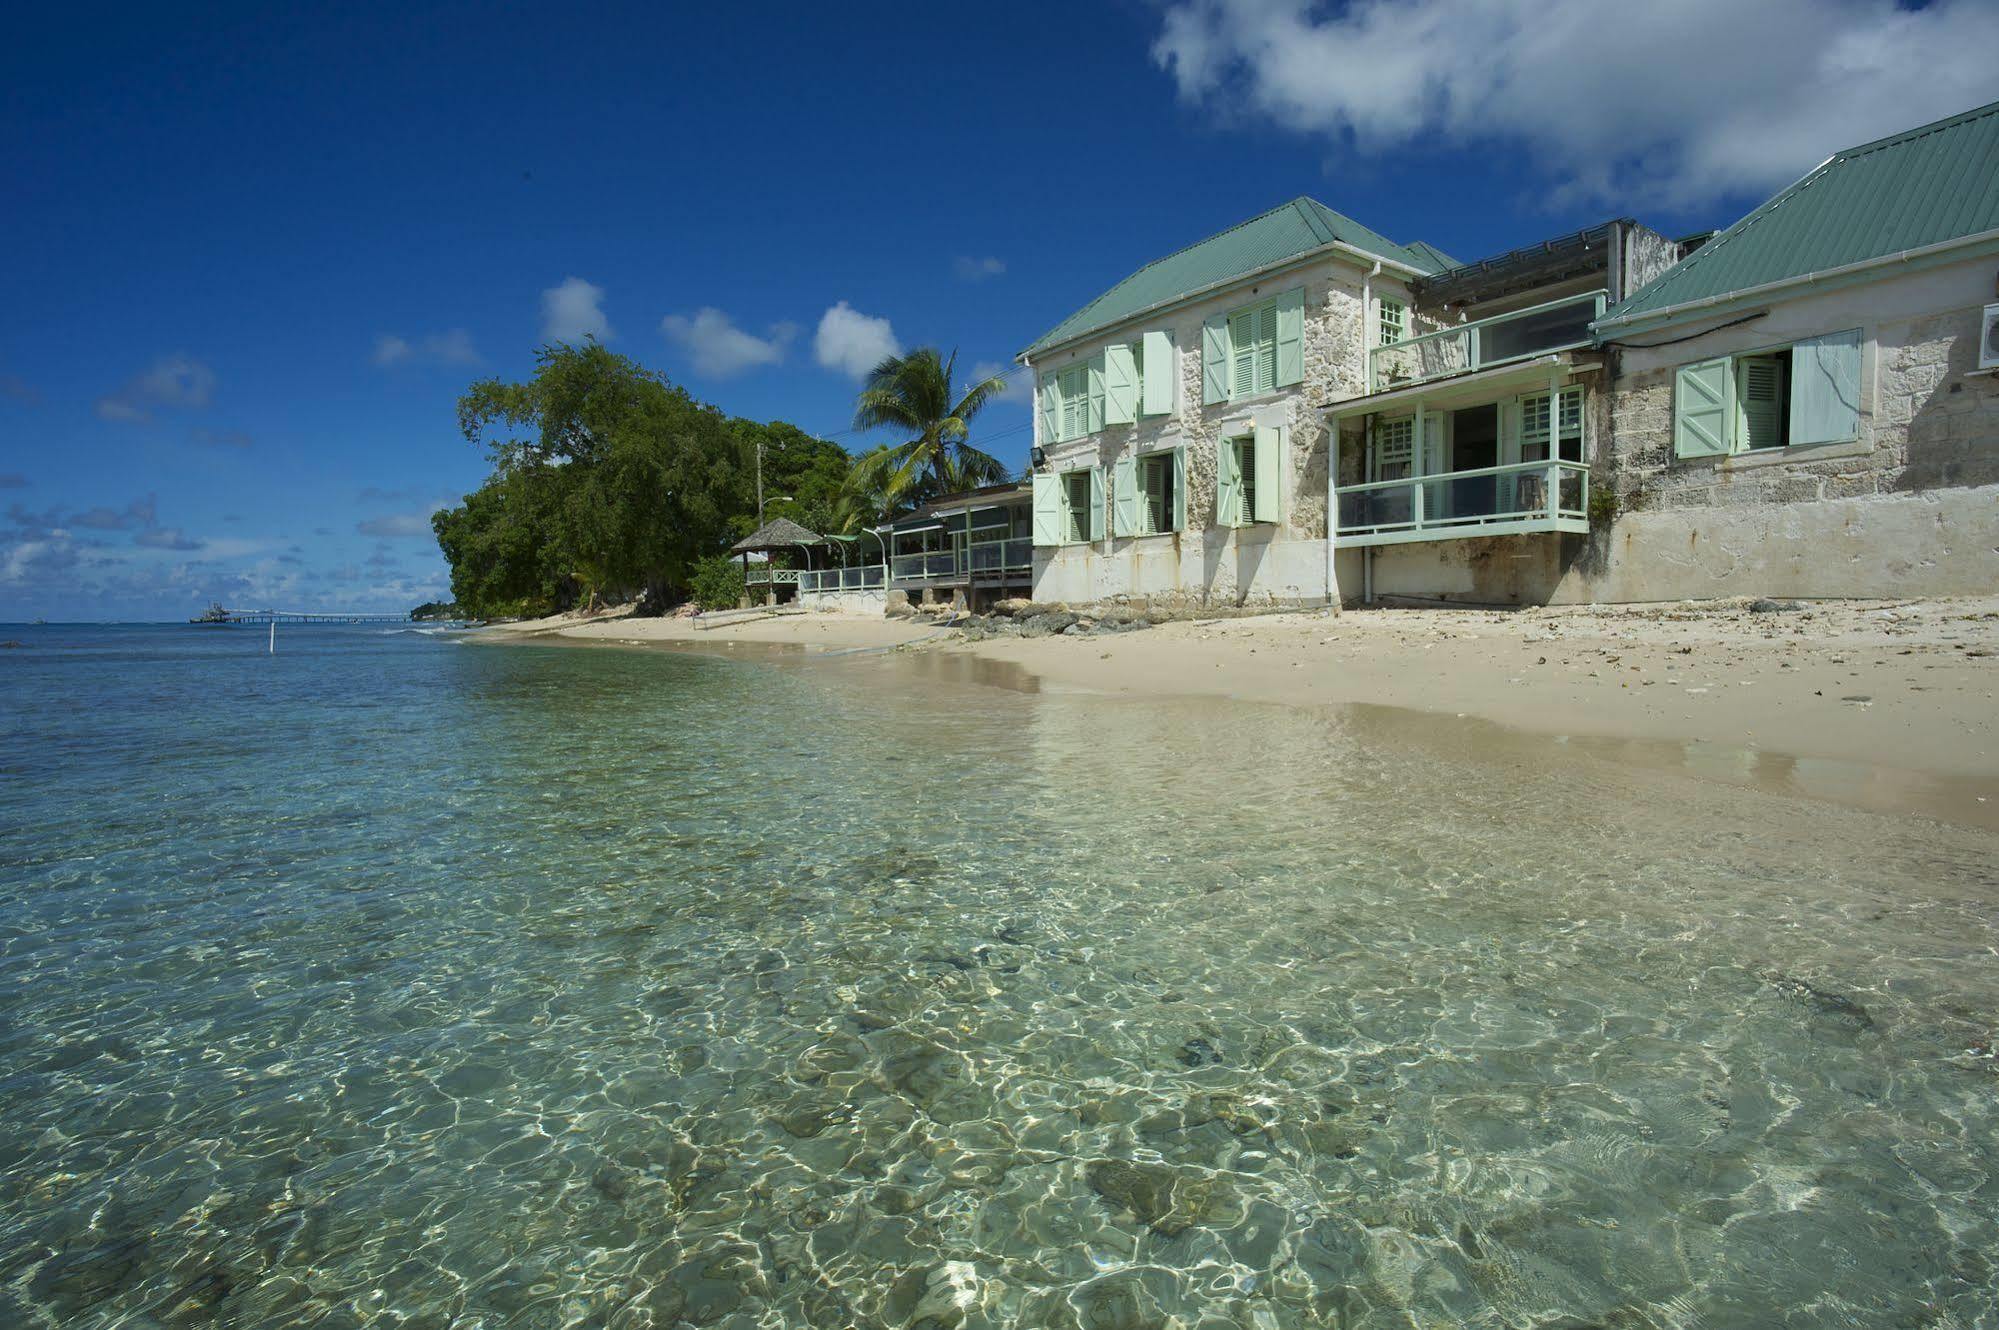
(213,614)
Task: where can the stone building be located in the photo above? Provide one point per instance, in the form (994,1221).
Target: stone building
(1802,405)
(1179,454)
(1464,466)
(1807,405)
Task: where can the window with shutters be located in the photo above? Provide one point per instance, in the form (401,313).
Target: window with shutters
(1799,395)
(1394,321)
(1072,402)
(1155,490)
(1534,426)
(1076,506)
(1245,460)
(1762,400)
(1253,350)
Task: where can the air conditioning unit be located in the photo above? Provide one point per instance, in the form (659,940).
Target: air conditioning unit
(1988,339)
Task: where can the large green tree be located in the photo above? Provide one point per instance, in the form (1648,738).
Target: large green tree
(804,477)
(914,394)
(624,479)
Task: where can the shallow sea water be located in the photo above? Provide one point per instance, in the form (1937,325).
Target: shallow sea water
(394,982)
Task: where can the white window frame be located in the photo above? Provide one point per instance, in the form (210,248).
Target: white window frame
(1397,433)
(1393,331)
(1535,435)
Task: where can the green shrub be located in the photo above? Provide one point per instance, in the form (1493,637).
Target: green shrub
(717,583)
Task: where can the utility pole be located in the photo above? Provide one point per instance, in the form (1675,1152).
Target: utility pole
(760,484)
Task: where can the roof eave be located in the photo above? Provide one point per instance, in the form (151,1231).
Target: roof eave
(1305,256)
(1670,314)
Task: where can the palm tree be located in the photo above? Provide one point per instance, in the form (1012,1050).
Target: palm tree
(913,393)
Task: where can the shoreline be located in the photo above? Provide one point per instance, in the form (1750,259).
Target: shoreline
(1886,705)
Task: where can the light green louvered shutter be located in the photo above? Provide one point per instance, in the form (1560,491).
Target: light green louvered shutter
(1242,353)
(1051,418)
(1124,497)
(1047,509)
(1096,503)
(1269,473)
(1703,402)
(1095,421)
(1290,337)
(1215,360)
(1179,489)
(1162,374)
(1759,402)
(1825,388)
(1228,484)
(1120,385)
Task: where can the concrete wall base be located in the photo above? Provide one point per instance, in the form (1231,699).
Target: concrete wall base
(1942,542)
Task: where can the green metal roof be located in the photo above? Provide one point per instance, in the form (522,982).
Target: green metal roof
(1275,237)
(1937,183)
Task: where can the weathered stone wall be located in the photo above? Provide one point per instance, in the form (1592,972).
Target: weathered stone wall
(1928,422)
(1208,563)
(1643,255)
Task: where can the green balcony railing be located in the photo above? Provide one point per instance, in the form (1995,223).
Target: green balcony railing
(1483,501)
(1558,325)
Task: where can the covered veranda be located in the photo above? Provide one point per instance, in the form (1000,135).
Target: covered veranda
(1501,451)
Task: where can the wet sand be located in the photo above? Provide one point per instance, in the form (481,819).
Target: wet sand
(1881,705)
(810,631)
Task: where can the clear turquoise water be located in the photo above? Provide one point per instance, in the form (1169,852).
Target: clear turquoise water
(393,982)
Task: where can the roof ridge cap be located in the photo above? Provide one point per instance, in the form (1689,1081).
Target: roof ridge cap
(1917,131)
(1108,291)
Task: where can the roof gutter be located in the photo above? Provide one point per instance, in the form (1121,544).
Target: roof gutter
(1333,247)
(1750,293)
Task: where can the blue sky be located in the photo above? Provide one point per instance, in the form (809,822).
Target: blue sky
(252,260)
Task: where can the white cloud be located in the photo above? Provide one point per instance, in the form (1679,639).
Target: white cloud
(166,538)
(719,348)
(451,347)
(399,526)
(573,311)
(177,380)
(853,342)
(1668,105)
(977,270)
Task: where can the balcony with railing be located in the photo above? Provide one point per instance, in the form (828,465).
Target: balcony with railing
(1558,325)
(863,577)
(983,559)
(1484,501)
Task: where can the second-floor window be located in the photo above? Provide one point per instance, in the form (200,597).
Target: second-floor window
(1394,321)
(1253,349)
(1072,398)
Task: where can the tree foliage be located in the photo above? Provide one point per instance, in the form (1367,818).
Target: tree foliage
(609,482)
(914,394)
(718,583)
